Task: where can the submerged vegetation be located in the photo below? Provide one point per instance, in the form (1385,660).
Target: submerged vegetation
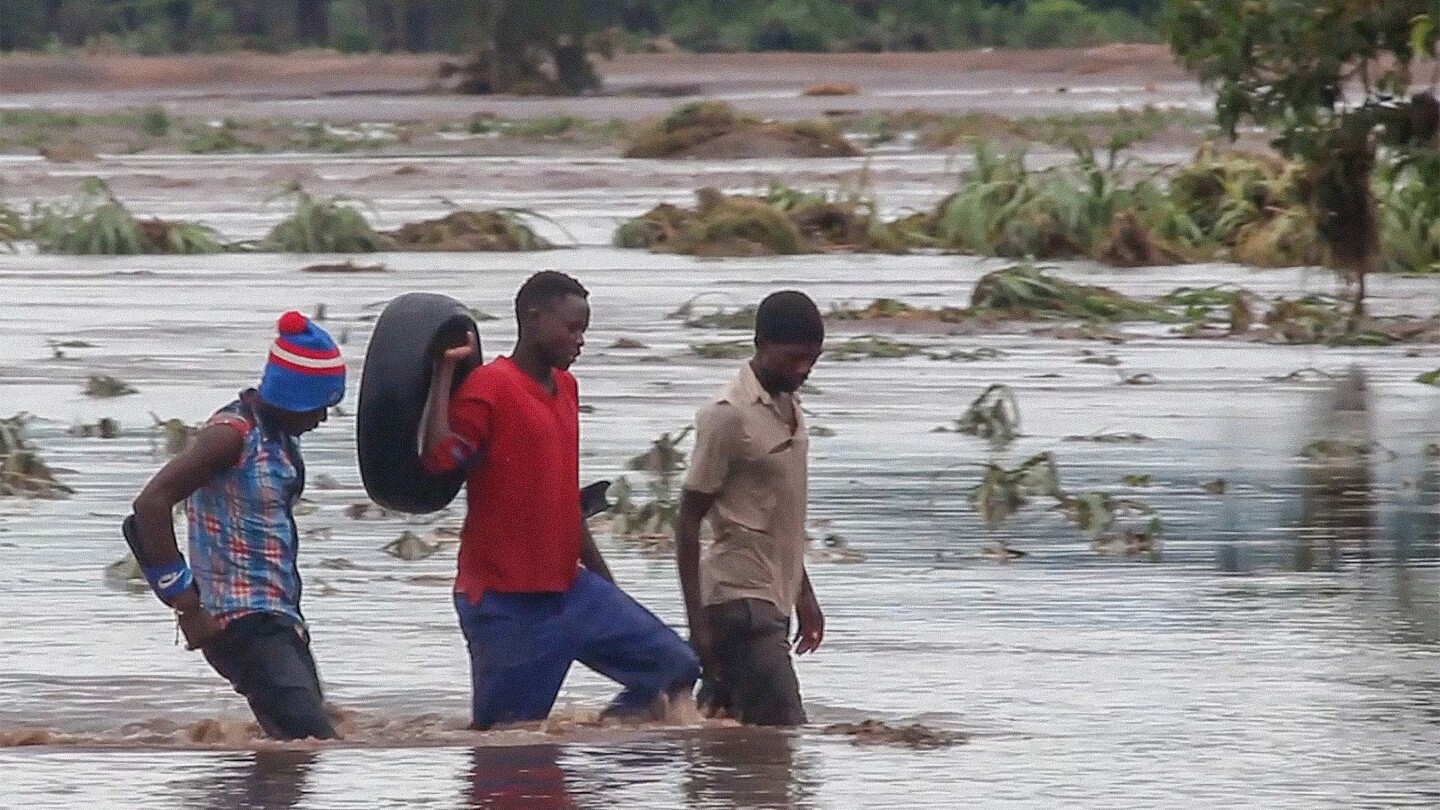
(715,129)
(94,222)
(1249,208)
(503,229)
(322,225)
(22,472)
(781,221)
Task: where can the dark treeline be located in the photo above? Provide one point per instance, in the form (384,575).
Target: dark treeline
(180,26)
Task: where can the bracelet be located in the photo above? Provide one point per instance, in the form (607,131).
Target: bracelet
(169,581)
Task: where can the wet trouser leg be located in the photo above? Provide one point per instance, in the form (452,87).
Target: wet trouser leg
(756,682)
(266,657)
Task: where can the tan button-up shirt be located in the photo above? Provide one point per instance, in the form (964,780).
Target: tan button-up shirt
(747,452)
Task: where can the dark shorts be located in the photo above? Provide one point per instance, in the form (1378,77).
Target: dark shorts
(522,644)
(756,681)
(266,657)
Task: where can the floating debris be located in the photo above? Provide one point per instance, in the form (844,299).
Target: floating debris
(104,386)
(125,574)
(890,308)
(344,267)
(664,456)
(1100,516)
(365,510)
(1100,360)
(724,350)
(1001,551)
(916,736)
(994,415)
(831,89)
(1111,438)
(338,564)
(1216,487)
(410,547)
(1302,374)
(1144,378)
(175,435)
(628,343)
(1429,378)
(821,432)
(833,548)
(1027,292)
(1001,492)
(22,472)
(1136,480)
(106,428)
(969,356)
(873,347)
(325,481)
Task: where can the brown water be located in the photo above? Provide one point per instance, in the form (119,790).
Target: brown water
(1219,675)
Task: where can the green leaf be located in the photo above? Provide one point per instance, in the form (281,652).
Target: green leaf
(1421,27)
(1429,378)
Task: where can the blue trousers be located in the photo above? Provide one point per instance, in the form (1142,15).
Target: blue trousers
(522,644)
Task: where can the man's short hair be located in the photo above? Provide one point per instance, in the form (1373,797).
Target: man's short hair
(545,288)
(789,317)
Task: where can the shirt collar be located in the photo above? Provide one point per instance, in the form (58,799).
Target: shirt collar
(746,389)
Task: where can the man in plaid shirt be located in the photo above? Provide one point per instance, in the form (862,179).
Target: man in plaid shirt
(238,598)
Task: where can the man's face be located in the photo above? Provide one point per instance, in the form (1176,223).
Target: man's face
(783,367)
(558,329)
(297,424)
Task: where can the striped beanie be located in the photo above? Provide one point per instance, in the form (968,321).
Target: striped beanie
(305,371)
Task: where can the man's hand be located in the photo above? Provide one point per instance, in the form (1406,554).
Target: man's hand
(704,646)
(811,624)
(452,356)
(198,626)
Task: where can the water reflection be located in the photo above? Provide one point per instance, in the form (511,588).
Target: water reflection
(269,780)
(747,768)
(1338,504)
(527,776)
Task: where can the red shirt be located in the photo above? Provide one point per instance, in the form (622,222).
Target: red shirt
(522,514)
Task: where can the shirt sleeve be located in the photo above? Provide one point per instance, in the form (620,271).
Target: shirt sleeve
(469,431)
(718,435)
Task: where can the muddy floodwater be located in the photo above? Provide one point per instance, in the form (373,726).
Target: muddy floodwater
(1252,660)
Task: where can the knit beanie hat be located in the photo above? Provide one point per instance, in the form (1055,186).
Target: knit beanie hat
(305,371)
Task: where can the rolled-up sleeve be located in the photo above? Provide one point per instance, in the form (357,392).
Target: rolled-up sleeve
(718,437)
(469,431)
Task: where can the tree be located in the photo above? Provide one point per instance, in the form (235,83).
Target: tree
(522,46)
(1334,78)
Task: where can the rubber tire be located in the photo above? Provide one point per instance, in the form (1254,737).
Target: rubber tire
(393,388)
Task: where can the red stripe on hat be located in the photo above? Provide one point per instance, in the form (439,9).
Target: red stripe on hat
(331,371)
(313,354)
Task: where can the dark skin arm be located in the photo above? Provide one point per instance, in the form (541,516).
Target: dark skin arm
(694,506)
(590,555)
(437,405)
(216,449)
(810,630)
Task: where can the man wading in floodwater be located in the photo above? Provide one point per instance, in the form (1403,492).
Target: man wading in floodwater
(239,481)
(748,474)
(527,607)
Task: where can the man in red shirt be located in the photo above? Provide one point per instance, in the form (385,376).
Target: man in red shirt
(527,607)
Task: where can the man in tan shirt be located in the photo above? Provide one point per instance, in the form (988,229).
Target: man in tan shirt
(748,475)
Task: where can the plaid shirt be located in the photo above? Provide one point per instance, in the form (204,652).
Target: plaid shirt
(243,541)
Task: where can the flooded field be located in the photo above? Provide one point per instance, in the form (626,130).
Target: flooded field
(1258,657)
